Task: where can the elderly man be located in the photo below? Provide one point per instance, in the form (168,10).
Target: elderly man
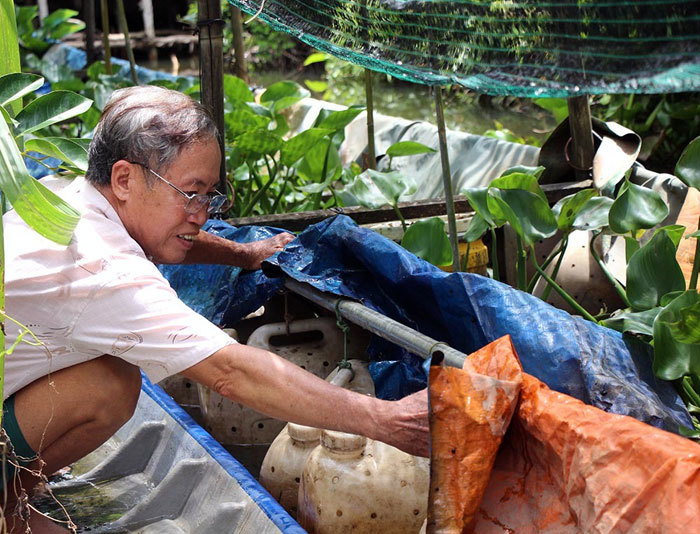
(102,310)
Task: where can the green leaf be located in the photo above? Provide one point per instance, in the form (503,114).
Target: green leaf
(316,57)
(672,358)
(243,120)
(408,148)
(477,197)
(568,208)
(687,328)
(17,84)
(674,231)
(688,166)
(392,184)
(634,322)
(236,90)
(557,106)
(363,192)
(631,246)
(283,94)
(317,86)
(6,116)
(534,219)
(66,28)
(65,149)
(652,272)
(41,209)
(338,120)
(315,188)
(519,180)
(311,167)
(427,240)
(636,208)
(258,142)
(524,169)
(477,227)
(670,297)
(593,214)
(55,18)
(49,109)
(300,144)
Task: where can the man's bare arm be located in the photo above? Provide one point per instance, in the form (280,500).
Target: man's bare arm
(209,248)
(278,388)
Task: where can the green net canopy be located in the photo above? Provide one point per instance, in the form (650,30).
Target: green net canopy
(516,47)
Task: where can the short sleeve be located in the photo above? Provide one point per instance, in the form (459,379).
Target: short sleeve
(141,320)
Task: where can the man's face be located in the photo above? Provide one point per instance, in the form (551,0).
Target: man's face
(155,216)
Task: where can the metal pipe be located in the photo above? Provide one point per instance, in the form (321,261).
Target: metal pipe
(403,336)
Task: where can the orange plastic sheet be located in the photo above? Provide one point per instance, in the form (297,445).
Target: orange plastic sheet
(562,466)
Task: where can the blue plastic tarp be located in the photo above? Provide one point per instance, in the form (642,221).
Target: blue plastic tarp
(592,363)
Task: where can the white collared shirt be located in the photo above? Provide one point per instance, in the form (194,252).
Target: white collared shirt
(99,295)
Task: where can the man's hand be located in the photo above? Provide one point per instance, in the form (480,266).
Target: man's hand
(408,427)
(258,251)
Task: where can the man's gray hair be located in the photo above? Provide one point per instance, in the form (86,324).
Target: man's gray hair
(146,124)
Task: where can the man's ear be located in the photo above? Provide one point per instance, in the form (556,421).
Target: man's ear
(123,178)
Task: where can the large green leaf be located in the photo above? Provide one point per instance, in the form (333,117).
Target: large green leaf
(636,208)
(9,49)
(18,84)
(688,166)
(392,184)
(300,144)
(687,328)
(258,142)
(243,120)
(594,214)
(408,148)
(528,214)
(519,180)
(674,231)
(477,227)
(338,120)
(477,197)
(363,192)
(568,208)
(427,239)
(6,116)
(67,150)
(634,322)
(652,272)
(320,163)
(672,358)
(283,94)
(558,106)
(236,90)
(49,109)
(524,169)
(41,209)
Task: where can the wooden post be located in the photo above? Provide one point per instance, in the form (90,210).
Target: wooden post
(43,10)
(104,6)
(447,179)
(369,97)
(211,66)
(240,68)
(149,28)
(582,149)
(89,14)
(121,16)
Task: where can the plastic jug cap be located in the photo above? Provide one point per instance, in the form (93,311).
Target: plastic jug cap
(342,442)
(304,434)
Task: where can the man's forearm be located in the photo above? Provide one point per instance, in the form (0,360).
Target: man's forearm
(210,248)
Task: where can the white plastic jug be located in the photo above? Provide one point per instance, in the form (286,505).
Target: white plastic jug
(354,484)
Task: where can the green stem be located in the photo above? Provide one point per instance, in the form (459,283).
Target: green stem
(465,263)
(696,264)
(398,213)
(689,390)
(259,193)
(494,255)
(521,266)
(570,301)
(618,287)
(280,194)
(555,272)
(121,14)
(561,249)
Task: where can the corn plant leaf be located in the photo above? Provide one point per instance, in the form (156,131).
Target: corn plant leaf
(568,208)
(594,214)
(392,184)
(427,240)
(636,208)
(477,227)
(67,150)
(673,358)
(51,108)
(362,192)
(688,166)
(338,120)
(17,84)
(528,214)
(300,144)
(236,90)
(634,322)
(408,148)
(283,94)
(41,209)
(652,272)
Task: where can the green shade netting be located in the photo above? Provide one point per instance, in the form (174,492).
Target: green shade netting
(519,47)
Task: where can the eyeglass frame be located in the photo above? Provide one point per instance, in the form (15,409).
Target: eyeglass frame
(210,198)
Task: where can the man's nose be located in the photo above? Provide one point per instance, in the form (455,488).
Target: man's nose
(199,217)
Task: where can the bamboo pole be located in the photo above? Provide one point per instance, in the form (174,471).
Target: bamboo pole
(211,66)
(580,125)
(89,13)
(240,68)
(104,7)
(447,179)
(369,97)
(121,16)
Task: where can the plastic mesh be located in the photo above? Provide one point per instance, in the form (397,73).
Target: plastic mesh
(517,47)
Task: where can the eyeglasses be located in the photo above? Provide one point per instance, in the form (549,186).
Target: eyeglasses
(213,203)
